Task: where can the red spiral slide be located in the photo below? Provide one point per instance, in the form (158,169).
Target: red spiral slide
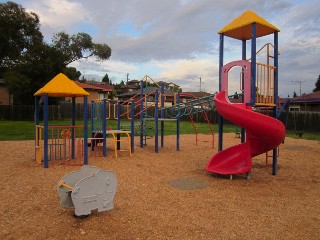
(263,133)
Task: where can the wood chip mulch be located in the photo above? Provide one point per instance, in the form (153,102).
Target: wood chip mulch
(168,195)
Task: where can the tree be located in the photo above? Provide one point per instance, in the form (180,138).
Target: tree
(72,73)
(27,62)
(317,85)
(78,46)
(32,72)
(19,32)
(294,94)
(106,79)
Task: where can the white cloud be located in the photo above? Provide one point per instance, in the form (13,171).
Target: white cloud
(93,69)
(186,73)
(173,38)
(59,15)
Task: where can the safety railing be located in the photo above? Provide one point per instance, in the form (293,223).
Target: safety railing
(265,85)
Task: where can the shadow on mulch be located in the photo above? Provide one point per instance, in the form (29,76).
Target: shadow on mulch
(188,183)
(296,147)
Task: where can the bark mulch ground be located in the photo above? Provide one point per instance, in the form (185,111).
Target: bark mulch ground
(168,195)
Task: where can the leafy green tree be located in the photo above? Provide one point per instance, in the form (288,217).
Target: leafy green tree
(35,69)
(78,46)
(106,79)
(27,62)
(19,32)
(72,73)
(317,85)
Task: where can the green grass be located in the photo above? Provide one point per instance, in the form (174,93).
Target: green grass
(24,130)
(305,135)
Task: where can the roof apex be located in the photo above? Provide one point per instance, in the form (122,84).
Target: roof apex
(61,86)
(240,28)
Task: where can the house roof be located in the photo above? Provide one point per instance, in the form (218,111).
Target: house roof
(167,84)
(147,90)
(195,94)
(240,28)
(106,87)
(61,86)
(91,87)
(310,97)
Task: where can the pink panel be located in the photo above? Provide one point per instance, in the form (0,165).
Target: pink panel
(246,67)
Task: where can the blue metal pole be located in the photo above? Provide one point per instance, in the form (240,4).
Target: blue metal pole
(45,131)
(141,127)
(85,130)
(104,126)
(253,63)
(92,116)
(118,123)
(73,123)
(156,122)
(276,85)
(220,118)
(244,57)
(132,125)
(162,114)
(178,124)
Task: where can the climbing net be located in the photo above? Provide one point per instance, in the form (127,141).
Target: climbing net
(190,107)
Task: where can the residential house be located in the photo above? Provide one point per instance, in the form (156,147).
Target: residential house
(130,86)
(307,102)
(150,95)
(169,86)
(96,91)
(187,96)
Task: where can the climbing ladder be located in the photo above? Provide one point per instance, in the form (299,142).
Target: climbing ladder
(205,116)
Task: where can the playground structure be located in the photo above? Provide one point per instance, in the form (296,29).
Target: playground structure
(146,111)
(259,85)
(61,143)
(74,145)
(87,190)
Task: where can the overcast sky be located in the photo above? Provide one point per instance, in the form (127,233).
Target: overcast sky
(177,41)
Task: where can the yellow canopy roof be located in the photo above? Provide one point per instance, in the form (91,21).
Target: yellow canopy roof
(240,28)
(61,86)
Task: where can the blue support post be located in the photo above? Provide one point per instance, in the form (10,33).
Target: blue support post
(220,118)
(244,57)
(253,63)
(162,114)
(92,122)
(92,116)
(156,122)
(85,130)
(45,131)
(118,123)
(132,125)
(73,123)
(104,126)
(178,124)
(141,127)
(276,72)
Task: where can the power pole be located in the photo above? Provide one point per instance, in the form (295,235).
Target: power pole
(299,84)
(200,83)
(127,78)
